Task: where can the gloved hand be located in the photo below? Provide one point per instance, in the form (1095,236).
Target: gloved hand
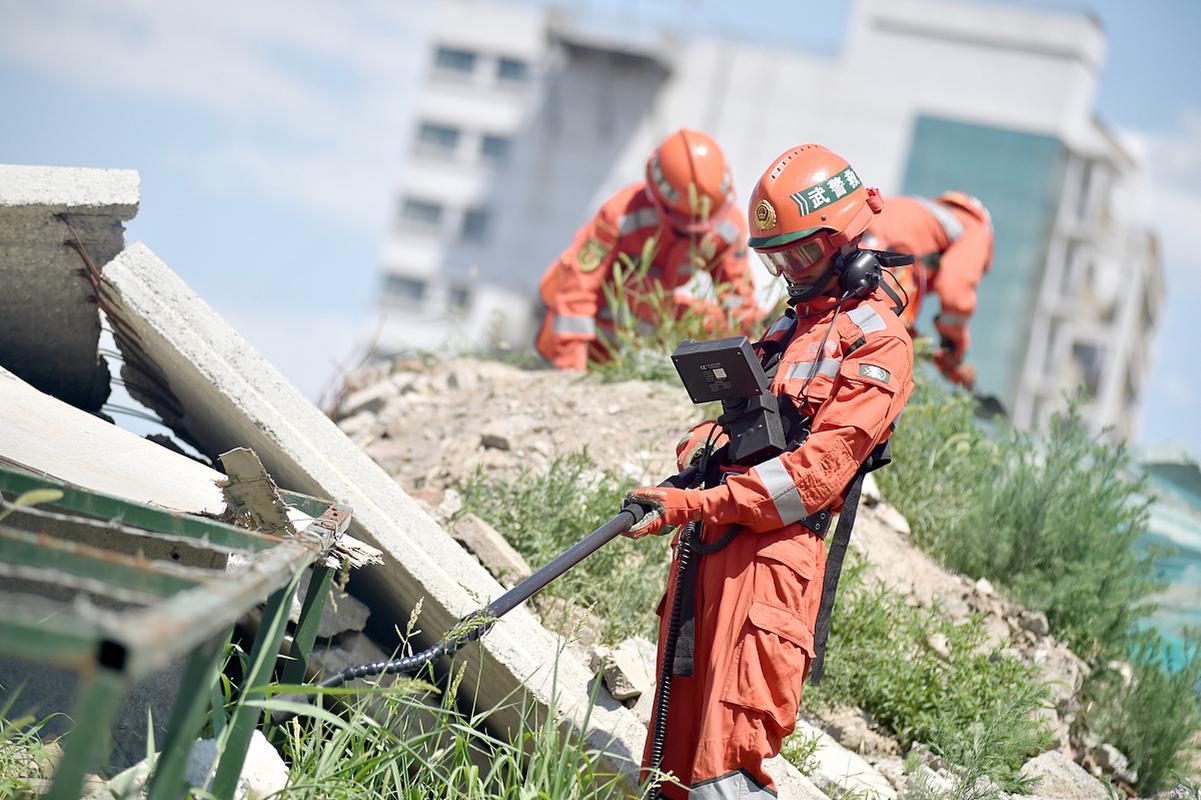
(954,368)
(667,508)
(690,448)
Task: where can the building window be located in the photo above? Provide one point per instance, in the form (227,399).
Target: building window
(512,70)
(475,225)
(404,289)
(495,148)
(459,297)
(435,139)
(452,60)
(1090,360)
(421,213)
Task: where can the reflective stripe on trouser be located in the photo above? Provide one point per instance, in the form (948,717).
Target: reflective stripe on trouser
(735,786)
(753,644)
(580,325)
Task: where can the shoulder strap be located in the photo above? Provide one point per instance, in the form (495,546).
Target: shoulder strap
(879,457)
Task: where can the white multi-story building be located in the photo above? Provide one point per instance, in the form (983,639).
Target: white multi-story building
(529,118)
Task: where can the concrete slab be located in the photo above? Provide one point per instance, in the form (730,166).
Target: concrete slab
(213,389)
(45,435)
(49,326)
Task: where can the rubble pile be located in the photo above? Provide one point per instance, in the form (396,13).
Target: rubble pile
(430,425)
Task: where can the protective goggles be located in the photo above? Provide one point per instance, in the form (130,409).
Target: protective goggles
(795,261)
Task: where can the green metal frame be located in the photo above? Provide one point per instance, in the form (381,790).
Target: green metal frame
(167,612)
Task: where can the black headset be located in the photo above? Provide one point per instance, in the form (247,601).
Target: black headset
(860,273)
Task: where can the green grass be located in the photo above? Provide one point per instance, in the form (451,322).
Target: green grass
(542,515)
(23,755)
(974,706)
(396,744)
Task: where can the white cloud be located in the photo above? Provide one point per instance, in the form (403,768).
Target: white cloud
(311,98)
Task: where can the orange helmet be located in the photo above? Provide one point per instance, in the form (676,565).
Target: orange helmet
(688,180)
(808,204)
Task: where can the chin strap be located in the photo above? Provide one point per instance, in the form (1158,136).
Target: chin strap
(798,295)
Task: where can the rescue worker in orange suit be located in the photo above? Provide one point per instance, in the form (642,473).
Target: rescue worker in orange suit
(687,204)
(952,240)
(845,368)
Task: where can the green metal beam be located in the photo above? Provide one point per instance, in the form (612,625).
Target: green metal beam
(307,624)
(99,694)
(262,660)
(167,782)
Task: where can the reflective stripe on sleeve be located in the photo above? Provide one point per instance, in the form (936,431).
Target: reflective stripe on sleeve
(951,226)
(734,786)
(782,490)
(728,231)
(637,220)
(867,318)
(952,319)
(584,325)
(827,366)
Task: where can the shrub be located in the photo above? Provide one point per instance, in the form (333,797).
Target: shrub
(1154,718)
(972,704)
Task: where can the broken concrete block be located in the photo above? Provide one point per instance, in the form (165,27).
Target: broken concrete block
(1062,778)
(49,327)
(505,563)
(216,392)
(840,771)
(1035,622)
(623,670)
(371,399)
(357,424)
(342,613)
(790,783)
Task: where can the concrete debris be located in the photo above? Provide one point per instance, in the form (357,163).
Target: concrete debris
(984,586)
(1034,621)
(1062,670)
(940,645)
(174,342)
(928,782)
(855,731)
(843,773)
(870,492)
(357,425)
(370,400)
(342,613)
(252,495)
(49,327)
(1063,779)
(893,518)
(46,436)
(624,670)
(493,551)
(264,773)
(1105,759)
(790,783)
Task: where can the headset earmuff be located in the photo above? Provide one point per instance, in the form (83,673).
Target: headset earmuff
(859,273)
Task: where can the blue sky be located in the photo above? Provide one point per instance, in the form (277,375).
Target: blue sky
(268,136)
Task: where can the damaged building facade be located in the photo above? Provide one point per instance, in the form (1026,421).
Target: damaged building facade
(527,119)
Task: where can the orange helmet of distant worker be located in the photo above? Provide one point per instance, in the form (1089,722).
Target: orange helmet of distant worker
(689,182)
(808,205)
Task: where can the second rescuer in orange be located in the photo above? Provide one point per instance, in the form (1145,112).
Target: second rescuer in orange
(686,204)
(842,367)
(952,239)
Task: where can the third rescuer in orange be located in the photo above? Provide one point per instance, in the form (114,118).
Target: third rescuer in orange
(687,205)
(843,368)
(952,240)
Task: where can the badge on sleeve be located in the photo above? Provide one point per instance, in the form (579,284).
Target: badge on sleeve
(875,373)
(591,255)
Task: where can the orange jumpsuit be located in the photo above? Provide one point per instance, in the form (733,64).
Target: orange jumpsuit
(757,599)
(953,249)
(572,287)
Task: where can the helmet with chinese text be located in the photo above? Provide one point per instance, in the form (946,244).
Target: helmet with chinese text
(806,207)
(689,182)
